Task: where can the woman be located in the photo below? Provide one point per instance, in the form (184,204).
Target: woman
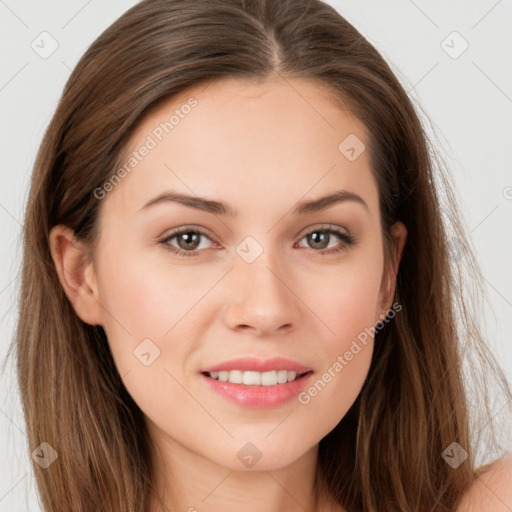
(238,268)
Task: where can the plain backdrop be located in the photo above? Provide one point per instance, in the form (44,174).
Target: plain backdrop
(452,57)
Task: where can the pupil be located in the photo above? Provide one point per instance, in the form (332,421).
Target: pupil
(190,238)
(314,239)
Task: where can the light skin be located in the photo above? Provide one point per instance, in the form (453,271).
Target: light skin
(261,148)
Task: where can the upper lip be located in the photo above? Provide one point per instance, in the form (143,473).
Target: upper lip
(258,365)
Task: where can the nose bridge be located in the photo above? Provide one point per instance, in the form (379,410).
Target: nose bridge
(259,294)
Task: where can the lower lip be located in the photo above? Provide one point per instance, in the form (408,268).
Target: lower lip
(261,397)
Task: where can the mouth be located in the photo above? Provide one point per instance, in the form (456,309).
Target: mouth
(257,383)
(254,378)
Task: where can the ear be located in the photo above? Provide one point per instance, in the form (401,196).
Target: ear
(76,275)
(388,284)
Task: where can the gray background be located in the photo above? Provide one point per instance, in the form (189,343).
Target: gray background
(467,96)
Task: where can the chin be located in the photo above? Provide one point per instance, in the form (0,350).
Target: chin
(264,455)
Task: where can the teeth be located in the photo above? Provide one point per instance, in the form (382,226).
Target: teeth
(282,376)
(255,378)
(235,376)
(252,378)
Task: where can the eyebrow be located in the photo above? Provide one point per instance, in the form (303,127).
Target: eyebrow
(219,208)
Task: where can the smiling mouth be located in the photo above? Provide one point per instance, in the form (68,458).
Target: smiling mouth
(252,378)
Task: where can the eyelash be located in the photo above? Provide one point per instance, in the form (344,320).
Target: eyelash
(347,240)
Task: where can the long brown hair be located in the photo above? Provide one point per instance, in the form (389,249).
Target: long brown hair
(386,453)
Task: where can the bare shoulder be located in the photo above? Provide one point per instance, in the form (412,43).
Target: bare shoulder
(492,490)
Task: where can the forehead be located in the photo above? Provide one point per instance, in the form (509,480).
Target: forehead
(246,142)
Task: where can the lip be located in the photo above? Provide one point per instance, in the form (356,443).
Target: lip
(252,364)
(259,397)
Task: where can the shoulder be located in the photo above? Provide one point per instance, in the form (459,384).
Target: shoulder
(492,490)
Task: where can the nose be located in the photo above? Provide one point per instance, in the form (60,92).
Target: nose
(260,299)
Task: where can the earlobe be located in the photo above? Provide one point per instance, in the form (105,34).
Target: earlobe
(76,274)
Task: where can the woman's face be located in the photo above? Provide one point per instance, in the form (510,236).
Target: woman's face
(259,275)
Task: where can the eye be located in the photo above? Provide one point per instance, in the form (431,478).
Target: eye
(319,239)
(188,240)
(189,243)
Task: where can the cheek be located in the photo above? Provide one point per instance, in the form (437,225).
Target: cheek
(336,386)
(142,324)
(142,295)
(346,300)
(137,305)
(151,317)
(347,356)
